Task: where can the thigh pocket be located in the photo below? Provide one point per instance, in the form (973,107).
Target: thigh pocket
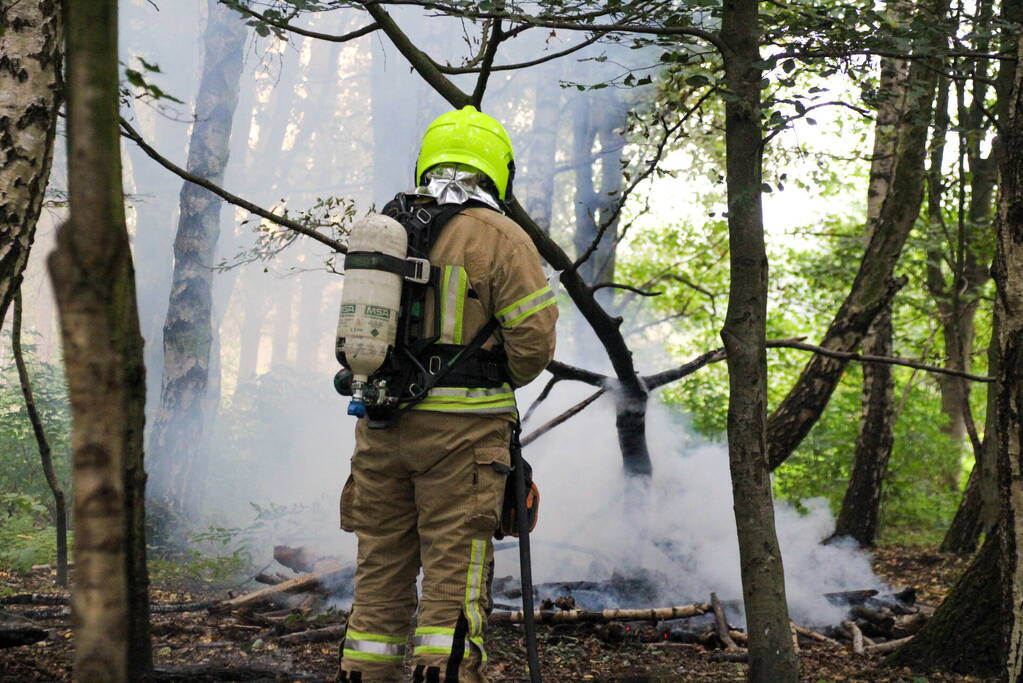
(348,505)
(489,476)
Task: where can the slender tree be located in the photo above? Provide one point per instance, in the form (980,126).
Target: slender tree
(94,281)
(45,455)
(771,657)
(176,442)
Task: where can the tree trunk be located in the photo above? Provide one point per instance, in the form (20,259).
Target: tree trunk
(1009,387)
(176,458)
(45,456)
(31,49)
(962,636)
(543,146)
(771,657)
(978,510)
(873,286)
(94,282)
(862,502)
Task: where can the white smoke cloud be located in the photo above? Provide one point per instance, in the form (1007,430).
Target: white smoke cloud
(683,526)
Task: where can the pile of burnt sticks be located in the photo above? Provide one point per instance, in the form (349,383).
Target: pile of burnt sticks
(298,609)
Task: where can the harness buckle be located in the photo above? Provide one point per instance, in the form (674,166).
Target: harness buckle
(417,270)
(433,365)
(423,216)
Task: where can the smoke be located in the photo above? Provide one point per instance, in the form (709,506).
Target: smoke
(678,530)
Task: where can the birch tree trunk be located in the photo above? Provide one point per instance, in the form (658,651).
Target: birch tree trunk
(771,657)
(94,281)
(31,47)
(176,443)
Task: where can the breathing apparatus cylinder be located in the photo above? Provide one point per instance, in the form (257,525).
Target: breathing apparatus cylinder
(370,303)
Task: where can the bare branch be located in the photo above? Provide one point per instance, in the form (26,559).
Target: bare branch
(564,371)
(285,26)
(560,419)
(133,135)
(541,398)
(843,355)
(426,67)
(618,285)
(552,22)
(489,53)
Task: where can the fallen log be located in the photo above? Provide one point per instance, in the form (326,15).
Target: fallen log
(880,619)
(819,637)
(909,624)
(35,599)
(316,635)
(298,584)
(46,613)
(857,636)
(719,619)
(857,597)
(178,607)
(16,634)
(600,616)
(889,646)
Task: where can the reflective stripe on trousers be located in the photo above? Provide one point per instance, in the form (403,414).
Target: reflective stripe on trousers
(373,647)
(438,640)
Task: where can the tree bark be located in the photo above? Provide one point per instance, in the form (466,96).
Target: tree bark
(31,51)
(176,445)
(1009,386)
(771,656)
(963,635)
(862,502)
(94,282)
(873,286)
(45,456)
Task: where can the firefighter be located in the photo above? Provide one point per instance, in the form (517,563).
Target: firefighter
(426,491)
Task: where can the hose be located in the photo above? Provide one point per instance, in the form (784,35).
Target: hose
(525,562)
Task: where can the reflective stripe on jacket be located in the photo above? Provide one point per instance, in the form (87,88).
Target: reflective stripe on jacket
(490,268)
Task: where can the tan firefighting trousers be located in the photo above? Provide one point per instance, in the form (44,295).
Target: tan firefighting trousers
(425,492)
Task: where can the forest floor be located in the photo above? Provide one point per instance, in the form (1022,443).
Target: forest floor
(198,646)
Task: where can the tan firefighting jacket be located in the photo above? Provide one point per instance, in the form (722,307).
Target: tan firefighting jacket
(490,268)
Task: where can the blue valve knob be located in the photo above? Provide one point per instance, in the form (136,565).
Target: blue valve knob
(357,409)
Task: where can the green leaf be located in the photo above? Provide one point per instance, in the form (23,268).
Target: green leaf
(697,80)
(788,65)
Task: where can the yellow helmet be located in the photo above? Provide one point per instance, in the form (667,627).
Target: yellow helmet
(469,137)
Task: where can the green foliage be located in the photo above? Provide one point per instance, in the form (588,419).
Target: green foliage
(213,559)
(27,536)
(21,472)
